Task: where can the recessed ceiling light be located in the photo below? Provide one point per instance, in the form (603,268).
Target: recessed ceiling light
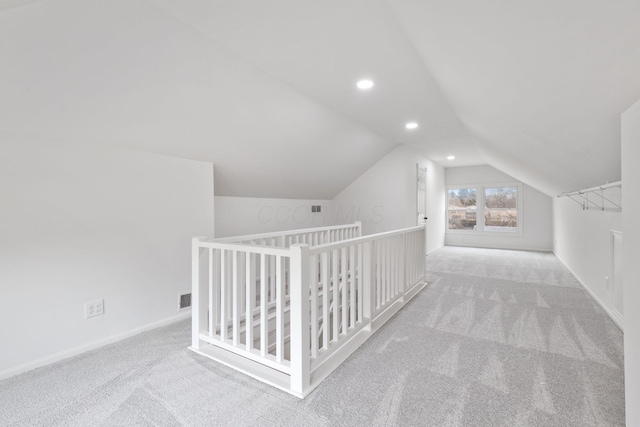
(451,157)
(365,84)
(411,125)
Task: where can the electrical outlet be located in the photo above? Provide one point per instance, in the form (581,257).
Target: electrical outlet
(94,308)
(606,282)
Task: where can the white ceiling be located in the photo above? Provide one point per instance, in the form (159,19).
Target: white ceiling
(266,89)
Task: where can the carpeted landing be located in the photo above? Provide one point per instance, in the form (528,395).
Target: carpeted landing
(499,338)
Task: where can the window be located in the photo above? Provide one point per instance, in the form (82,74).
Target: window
(486,209)
(462,210)
(501,209)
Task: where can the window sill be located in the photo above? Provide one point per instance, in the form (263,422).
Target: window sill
(485,233)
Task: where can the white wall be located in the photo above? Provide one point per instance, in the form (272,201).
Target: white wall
(384,197)
(377,197)
(582,241)
(237,216)
(536,215)
(79,224)
(631,249)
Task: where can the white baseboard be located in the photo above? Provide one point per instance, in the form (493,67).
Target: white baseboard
(435,249)
(593,295)
(90,346)
(501,247)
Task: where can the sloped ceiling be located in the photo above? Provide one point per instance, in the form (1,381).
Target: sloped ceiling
(266,89)
(540,84)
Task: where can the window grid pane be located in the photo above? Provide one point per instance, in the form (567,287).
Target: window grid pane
(462,209)
(500,212)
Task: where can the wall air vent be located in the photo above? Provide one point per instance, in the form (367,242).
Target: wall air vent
(184,301)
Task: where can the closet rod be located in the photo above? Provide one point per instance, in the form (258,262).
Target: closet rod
(592,189)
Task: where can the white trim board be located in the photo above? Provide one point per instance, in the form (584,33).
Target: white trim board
(595,298)
(66,354)
(500,247)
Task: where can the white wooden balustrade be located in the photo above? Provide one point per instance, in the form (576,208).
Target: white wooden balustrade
(287,308)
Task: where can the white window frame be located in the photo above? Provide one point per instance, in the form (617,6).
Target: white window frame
(460,187)
(480,207)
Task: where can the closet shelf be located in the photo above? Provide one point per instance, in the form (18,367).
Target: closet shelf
(605,204)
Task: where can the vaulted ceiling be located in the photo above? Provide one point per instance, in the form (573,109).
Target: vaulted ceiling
(265,89)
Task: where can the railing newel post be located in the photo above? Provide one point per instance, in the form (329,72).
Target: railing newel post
(198,295)
(299,319)
(359,226)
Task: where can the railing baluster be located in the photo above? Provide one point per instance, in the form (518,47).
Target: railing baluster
(360,277)
(217,285)
(264,325)
(336,299)
(251,297)
(223,295)
(420,255)
(390,262)
(325,300)
(212,296)
(313,283)
(378,250)
(416,255)
(352,286)
(391,273)
(279,310)
(400,262)
(411,252)
(418,251)
(242,277)
(389,266)
(367,283)
(403,263)
(394,269)
(272,279)
(385,267)
(236,299)
(383,272)
(422,236)
(344,286)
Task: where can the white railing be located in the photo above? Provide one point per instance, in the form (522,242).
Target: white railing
(287,311)
(310,236)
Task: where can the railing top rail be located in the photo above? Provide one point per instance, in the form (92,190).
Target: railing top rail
(240,247)
(314,250)
(284,233)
